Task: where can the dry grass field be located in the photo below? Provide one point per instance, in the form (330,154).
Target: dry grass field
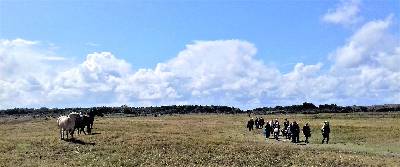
(364,139)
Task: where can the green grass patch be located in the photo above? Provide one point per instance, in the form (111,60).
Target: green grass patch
(368,139)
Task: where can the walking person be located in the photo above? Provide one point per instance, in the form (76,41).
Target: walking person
(289,131)
(285,127)
(276,128)
(325,132)
(277,125)
(257,122)
(267,130)
(250,124)
(261,122)
(295,132)
(272,125)
(306,132)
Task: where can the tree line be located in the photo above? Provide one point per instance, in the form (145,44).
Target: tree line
(310,108)
(305,108)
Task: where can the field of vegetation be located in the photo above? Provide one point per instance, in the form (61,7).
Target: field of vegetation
(357,139)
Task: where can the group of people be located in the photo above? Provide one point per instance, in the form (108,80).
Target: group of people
(290,131)
(258,122)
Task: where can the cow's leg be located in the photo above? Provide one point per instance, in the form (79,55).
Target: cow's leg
(89,130)
(72,134)
(61,135)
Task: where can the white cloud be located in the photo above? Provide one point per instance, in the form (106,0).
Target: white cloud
(346,13)
(371,40)
(390,60)
(297,83)
(93,81)
(25,72)
(18,42)
(223,72)
(367,65)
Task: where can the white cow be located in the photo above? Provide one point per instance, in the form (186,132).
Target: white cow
(67,124)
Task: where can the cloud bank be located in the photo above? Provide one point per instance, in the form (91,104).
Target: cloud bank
(221,72)
(365,70)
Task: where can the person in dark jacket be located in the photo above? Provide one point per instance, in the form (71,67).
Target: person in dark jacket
(306,132)
(286,123)
(277,125)
(285,128)
(325,132)
(250,124)
(289,132)
(267,130)
(272,125)
(295,132)
(261,122)
(257,122)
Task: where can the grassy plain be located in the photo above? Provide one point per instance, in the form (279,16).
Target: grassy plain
(359,139)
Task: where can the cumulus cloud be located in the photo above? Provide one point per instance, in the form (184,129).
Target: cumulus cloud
(26,70)
(346,13)
(366,45)
(92,82)
(222,72)
(389,59)
(365,65)
(295,84)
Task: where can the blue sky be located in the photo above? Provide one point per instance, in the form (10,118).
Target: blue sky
(148,32)
(145,33)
